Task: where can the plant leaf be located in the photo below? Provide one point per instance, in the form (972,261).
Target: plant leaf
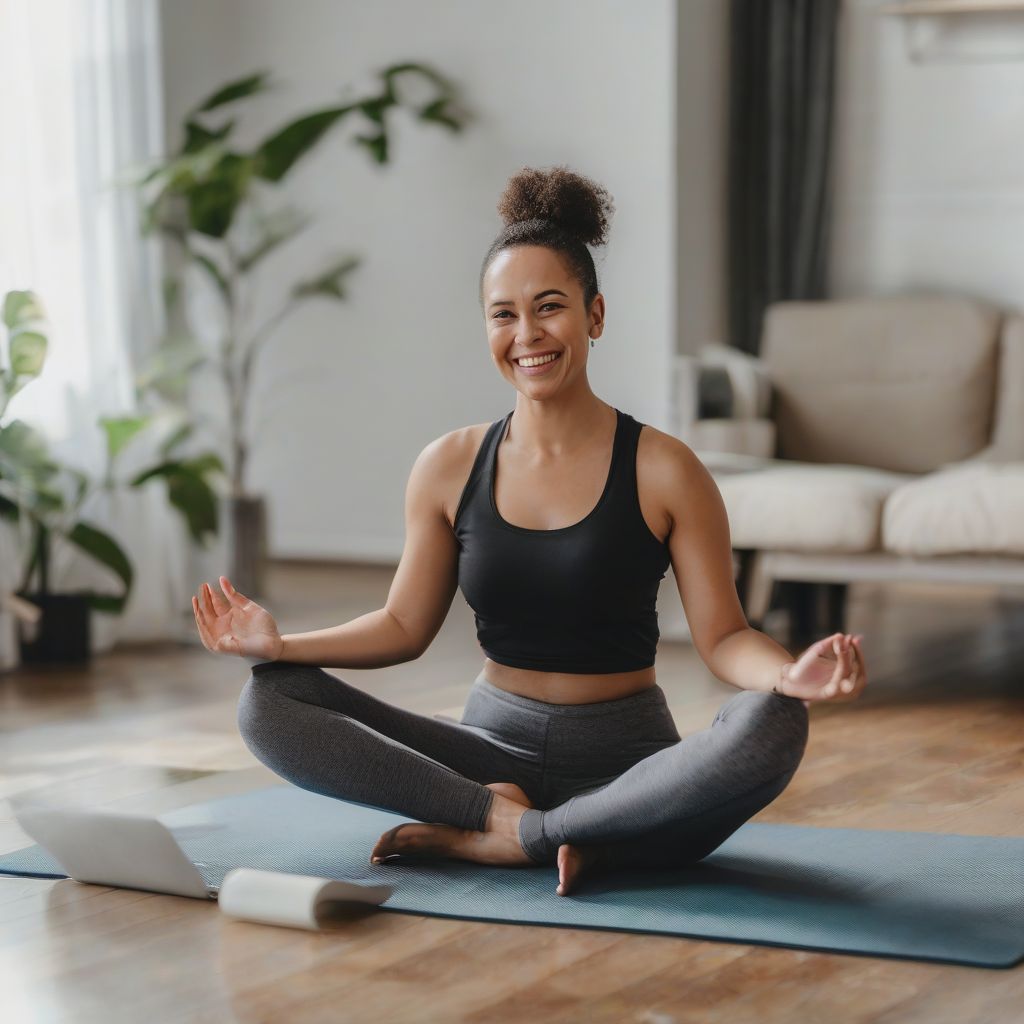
(236,90)
(28,353)
(23,449)
(212,202)
(9,509)
(374,107)
(105,550)
(197,136)
(377,145)
(189,491)
(276,155)
(121,429)
(21,308)
(329,283)
(436,111)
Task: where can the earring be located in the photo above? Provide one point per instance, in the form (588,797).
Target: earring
(591,342)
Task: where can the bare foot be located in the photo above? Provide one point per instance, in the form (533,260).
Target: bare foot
(497,844)
(512,791)
(572,860)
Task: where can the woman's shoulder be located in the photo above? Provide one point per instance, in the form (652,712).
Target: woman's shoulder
(449,459)
(454,447)
(662,450)
(668,470)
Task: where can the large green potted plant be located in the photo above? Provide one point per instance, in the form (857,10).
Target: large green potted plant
(43,499)
(208,197)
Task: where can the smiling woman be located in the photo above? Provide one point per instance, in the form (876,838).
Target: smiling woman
(558,520)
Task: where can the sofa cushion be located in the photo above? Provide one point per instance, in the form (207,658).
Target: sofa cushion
(901,383)
(805,507)
(976,508)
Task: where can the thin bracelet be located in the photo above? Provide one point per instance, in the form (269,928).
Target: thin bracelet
(782,678)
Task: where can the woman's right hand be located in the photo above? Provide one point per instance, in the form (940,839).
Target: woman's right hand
(234,624)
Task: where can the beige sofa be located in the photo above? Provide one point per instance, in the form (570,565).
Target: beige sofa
(874,439)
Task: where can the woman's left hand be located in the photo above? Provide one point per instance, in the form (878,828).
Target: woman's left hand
(833,668)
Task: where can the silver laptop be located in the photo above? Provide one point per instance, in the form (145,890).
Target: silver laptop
(107,847)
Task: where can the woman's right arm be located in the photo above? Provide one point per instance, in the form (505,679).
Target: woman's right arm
(421,592)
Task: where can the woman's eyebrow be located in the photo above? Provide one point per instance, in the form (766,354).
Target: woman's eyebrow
(539,295)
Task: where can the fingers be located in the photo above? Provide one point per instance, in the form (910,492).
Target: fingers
(842,676)
(207,607)
(860,672)
(237,599)
(216,601)
(853,677)
(842,669)
(821,647)
(204,630)
(859,650)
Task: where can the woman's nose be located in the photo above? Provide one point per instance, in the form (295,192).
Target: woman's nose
(529,328)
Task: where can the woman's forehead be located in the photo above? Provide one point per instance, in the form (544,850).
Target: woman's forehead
(524,267)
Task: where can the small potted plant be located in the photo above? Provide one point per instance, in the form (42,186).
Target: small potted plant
(43,501)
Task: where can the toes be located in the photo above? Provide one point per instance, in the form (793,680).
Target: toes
(383,846)
(571,862)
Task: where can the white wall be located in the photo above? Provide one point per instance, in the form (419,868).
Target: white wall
(930,157)
(581,82)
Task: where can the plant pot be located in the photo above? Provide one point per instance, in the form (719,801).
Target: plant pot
(62,634)
(247,517)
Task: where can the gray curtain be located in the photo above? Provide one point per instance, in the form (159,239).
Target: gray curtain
(782,85)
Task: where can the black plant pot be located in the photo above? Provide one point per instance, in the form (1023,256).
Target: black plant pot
(62,633)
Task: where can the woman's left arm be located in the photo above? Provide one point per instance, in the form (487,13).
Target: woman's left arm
(701,551)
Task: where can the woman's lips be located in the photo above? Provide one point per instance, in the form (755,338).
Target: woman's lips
(534,371)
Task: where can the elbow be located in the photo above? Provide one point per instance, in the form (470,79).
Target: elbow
(411,654)
(410,646)
(710,649)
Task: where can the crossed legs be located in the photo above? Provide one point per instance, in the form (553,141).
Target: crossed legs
(677,805)
(668,807)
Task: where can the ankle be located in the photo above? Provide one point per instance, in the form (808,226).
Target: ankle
(504,815)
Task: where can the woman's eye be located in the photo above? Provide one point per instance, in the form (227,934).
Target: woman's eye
(498,316)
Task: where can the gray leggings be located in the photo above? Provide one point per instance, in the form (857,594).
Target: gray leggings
(614,774)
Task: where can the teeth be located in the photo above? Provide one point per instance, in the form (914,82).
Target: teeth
(535,361)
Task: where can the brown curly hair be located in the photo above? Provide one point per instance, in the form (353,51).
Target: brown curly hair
(557,208)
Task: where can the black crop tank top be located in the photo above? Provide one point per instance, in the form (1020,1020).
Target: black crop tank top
(581,598)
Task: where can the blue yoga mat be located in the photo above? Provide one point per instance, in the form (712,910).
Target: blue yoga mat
(913,895)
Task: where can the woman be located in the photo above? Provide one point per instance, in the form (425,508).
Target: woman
(557,521)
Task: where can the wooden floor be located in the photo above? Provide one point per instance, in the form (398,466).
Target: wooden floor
(936,743)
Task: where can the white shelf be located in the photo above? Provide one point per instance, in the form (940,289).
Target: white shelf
(910,7)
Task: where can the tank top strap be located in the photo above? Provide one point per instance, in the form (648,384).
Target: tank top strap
(482,464)
(626,438)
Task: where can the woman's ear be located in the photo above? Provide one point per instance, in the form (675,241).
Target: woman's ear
(597,316)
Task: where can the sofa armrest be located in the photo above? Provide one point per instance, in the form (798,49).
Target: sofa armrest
(742,434)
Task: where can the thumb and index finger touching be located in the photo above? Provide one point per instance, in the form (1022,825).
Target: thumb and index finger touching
(827,643)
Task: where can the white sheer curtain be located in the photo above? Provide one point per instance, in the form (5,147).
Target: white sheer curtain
(82,105)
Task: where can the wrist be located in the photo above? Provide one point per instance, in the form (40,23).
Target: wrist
(779,686)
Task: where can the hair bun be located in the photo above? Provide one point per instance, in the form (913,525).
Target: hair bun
(579,205)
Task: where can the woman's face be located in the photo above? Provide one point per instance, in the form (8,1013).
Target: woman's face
(534,307)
